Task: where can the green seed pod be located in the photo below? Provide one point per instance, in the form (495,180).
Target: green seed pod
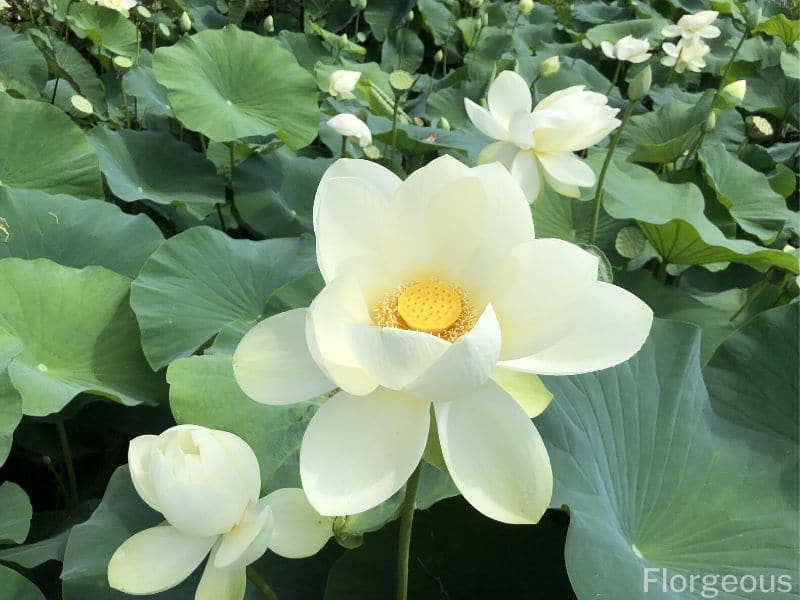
(400,80)
(80,107)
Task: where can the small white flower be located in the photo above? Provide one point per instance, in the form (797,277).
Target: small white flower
(737,89)
(206,483)
(538,146)
(429,282)
(350,125)
(687,54)
(525,7)
(697,25)
(121,6)
(343,83)
(629,48)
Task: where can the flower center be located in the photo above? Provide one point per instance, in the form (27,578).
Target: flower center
(429,306)
(434,307)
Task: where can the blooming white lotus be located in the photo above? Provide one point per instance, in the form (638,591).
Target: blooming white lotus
(429,282)
(698,25)
(206,483)
(121,6)
(343,83)
(628,49)
(687,54)
(538,145)
(349,125)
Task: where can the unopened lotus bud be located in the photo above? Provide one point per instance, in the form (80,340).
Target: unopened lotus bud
(711,122)
(439,56)
(525,7)
(362,4)
(476,3)
(185,22)
(587,43)
(269,24)
(444,124)
(143,12)
(343,41)
(640,85)
(80,107)
(122,63)
(758,128)
(409,16)
(484,19)
(164,30)
(549,67)
(737,89)
(754,18)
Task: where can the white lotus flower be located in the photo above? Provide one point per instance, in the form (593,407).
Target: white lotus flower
(429,282)
(698,25)
(121,6)
(206,483)
(629,48)
(539,145)
(343,83)
(350,125)
(687,54)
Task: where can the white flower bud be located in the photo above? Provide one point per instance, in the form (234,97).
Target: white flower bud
(343,83)
(439,56)
(444,124)
(348,125)
(185,22)
(269,24)
(737,89)
(549,66)
(525,7)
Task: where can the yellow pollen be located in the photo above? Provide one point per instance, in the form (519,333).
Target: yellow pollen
(429,306)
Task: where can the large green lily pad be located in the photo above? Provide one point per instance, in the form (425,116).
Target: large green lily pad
(759,363)
(655,480)
(745,192)
(672,218)
(230,84)
(15,513)
(150,165)
(22,67)
(201,280)
(77,334)
(41,148)
(75,233)
(17,587)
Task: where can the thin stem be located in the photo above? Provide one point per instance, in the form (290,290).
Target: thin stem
(730,62)
(344,146)
(394,126)
(598,196)
(616,76)
(48,463)
(693,151)
(55,89)
(125,104)
(260,584)
(73,482)
(760,289)
(404,540)
(514,26)
(661,272)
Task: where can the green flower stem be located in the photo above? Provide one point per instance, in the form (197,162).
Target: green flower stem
(344,146)
(260,584)
(672,70)
(617,71)
(533,84)
(514,26)
(48,463)
(727,68)
(598,196)
(404,541)
(394,126)
(73,482)
(759,289)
